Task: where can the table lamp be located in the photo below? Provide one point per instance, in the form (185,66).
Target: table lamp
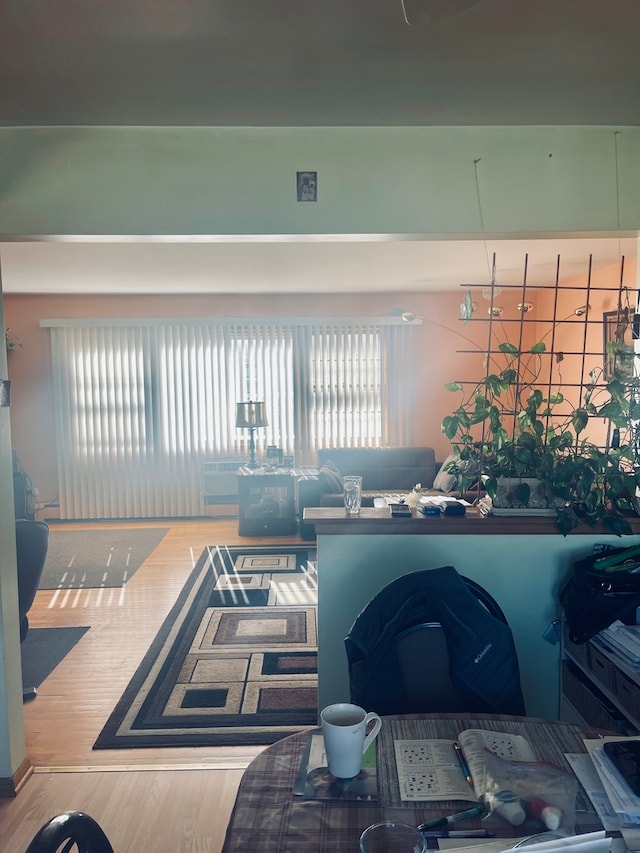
(250,416)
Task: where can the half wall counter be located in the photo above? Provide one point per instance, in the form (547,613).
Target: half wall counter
(522,562)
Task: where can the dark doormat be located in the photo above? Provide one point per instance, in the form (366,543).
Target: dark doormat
(43,649)
(235,661)
(80,559)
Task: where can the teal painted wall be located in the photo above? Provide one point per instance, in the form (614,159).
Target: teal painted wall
(523,573)
(370,180)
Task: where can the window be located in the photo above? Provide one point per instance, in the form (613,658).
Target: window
(141,403)
(345,387)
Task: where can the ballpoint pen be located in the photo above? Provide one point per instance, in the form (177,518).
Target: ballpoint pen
(476,811)
(458,833)
(463,764)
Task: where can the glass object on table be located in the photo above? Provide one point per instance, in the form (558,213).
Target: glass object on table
(538,838)
(392,837)
(352,489)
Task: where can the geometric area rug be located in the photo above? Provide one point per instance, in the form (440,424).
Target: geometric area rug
(235,661)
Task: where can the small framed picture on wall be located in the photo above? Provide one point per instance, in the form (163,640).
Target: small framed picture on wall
(307,186)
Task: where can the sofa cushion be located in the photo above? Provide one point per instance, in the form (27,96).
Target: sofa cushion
(330,477)
(384,469)
(445,481)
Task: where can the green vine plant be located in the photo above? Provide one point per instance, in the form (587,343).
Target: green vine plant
(11,341)
(514,423)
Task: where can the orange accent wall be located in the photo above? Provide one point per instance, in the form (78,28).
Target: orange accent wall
(32,426)
(436,361)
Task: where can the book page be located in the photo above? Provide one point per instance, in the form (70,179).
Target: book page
(474,742)
(430,770)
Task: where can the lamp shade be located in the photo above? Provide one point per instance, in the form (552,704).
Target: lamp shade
(251,414)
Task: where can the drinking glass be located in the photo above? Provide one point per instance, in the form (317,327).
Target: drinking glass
(392,838)
(352,488)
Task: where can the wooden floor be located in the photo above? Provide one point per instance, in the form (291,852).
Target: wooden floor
(146,799)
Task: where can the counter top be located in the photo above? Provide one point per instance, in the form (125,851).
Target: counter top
(333,521)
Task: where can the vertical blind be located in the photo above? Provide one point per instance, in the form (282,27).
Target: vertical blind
(139,406)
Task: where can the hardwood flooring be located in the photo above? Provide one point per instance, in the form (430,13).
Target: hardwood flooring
(145,799)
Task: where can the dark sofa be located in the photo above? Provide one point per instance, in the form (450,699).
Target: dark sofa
(383,470)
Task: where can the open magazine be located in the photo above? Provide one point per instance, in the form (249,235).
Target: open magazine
(445,769)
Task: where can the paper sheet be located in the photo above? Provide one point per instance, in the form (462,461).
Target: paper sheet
(624,803)
(591,842)
(587,775)
(472,845)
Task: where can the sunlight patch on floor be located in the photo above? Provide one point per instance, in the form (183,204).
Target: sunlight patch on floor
(76,598)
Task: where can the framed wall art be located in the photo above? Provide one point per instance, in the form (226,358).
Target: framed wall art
(618,334)
(307,186)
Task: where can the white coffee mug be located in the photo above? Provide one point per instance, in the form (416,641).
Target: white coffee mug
(346,739)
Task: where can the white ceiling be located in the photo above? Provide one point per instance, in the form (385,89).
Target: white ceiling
(298,267)
(311,62)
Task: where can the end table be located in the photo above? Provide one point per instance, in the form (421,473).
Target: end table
(266,502)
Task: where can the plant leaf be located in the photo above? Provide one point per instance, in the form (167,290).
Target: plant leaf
(450,426)
(579,420)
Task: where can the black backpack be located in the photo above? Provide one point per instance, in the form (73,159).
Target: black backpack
(593,599)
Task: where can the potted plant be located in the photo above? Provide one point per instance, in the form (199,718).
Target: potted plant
(514,424)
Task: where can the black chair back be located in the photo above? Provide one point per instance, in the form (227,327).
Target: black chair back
(32,542)
(423,648)
(75,828)
(433,641)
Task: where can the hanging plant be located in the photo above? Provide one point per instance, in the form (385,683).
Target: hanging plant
(12,342)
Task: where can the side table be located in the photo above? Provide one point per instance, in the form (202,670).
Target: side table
(266,502)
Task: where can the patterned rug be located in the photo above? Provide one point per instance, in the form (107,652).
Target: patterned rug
(234,662)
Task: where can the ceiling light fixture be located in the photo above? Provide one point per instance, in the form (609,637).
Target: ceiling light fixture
(582,310)
(525,307)
(495,310)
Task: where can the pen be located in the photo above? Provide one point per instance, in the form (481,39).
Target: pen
(463,764)
(458,833)
(452,818)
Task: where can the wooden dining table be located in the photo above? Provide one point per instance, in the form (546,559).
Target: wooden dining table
(269,818)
